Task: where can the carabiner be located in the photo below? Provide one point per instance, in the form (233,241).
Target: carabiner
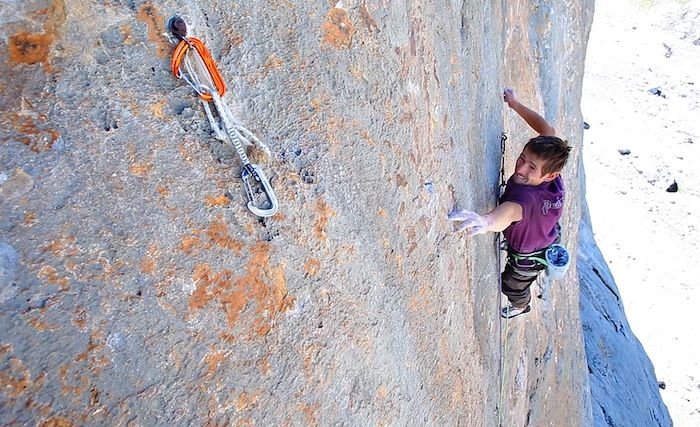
(256,172)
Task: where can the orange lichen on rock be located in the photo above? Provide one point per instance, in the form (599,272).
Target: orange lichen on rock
(162,190)
(14,380)
(246,400)
(32,48)
(56,422)
(40,325)
(36,134)
(94,354)
(218,233)
(270,299)
(233,303)
(310,412)
(220,200)
(189,243)
(49,275)
(324,214)
(29,219)
(312,266)
(212,360)
(273,61)
(220,285)
(338,30)
(203,277)
(156,27)
(29,48)
(149,262)
(262,284)
(140,169)
(264,365)
(157,109)
(80,319)
(61,247)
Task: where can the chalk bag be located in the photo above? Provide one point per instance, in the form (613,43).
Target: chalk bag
(558,261)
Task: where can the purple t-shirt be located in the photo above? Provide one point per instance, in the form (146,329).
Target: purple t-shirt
(542,208)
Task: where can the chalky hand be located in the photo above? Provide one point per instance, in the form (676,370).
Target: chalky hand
(476,223)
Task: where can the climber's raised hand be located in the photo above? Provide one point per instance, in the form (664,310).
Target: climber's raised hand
(509,97)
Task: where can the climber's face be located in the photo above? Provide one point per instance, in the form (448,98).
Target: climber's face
(528,170)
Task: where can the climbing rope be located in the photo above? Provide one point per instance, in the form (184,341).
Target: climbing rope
(502,186)
(192,62)
(499,246)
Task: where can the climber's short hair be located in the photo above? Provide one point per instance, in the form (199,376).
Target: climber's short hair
(554,151)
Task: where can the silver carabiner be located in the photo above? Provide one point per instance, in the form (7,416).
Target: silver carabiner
(256,172)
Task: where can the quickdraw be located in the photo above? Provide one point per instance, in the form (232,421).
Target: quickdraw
(201,73)
(180,54)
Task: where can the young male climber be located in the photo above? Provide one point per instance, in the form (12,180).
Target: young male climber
(529,210)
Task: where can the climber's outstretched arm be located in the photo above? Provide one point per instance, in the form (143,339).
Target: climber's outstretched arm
(497,220)
(536,121)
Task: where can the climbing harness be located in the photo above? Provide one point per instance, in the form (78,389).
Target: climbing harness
(192,62)
(554,259)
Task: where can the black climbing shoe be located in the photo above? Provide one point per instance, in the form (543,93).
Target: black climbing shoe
(511,311)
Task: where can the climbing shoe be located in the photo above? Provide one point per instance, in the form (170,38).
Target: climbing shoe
(511,311)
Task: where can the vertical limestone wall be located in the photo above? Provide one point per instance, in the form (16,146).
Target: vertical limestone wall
(136,288)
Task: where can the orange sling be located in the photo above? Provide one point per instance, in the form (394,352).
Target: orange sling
(179,56)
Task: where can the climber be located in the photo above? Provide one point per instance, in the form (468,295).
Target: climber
(529,210)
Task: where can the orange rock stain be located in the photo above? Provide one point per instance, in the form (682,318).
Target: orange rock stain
(189,243)
(36,133)
(80,319)
(56,422)
(40,325)
(61,247)
(212,360)
(29,219)
(310,412)
(218,234)
(33,48)
(29,48)
(220,200)
(312,266)
(150,260)
(15,379)
(246,401)
(338,30)
(261,285)
(323,214)
(157,109)
(140,169)
(156,27)
(264,365)
(49,275)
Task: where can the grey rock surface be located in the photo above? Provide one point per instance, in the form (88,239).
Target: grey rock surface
(624,388)
(8,272)
(148,295)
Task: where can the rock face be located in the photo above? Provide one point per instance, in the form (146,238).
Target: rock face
(136,286)
(624,389)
